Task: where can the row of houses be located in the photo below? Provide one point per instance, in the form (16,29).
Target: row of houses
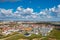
(34,28)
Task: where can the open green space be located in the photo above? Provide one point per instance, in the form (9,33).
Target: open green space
(55,35)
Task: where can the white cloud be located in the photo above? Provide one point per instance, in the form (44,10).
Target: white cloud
(28,10)
(52,9)
(49,16)
(58,6)
(34,16)
(56,10)
(43,13)
(24,13)
(28,13)
(6,12)
(20,8)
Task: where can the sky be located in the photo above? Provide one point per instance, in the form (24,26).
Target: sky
(34,10)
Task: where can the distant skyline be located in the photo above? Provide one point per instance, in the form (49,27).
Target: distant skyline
(39,10)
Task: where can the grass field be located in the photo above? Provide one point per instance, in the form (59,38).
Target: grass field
(54,35)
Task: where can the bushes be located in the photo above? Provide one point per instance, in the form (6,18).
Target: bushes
(5,36)
(15,37)
(34,36)
(19,36)
(55,34)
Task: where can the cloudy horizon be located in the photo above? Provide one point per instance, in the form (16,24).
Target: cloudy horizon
(29,13)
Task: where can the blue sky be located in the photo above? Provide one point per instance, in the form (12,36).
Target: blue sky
(40,10)
(37,5)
